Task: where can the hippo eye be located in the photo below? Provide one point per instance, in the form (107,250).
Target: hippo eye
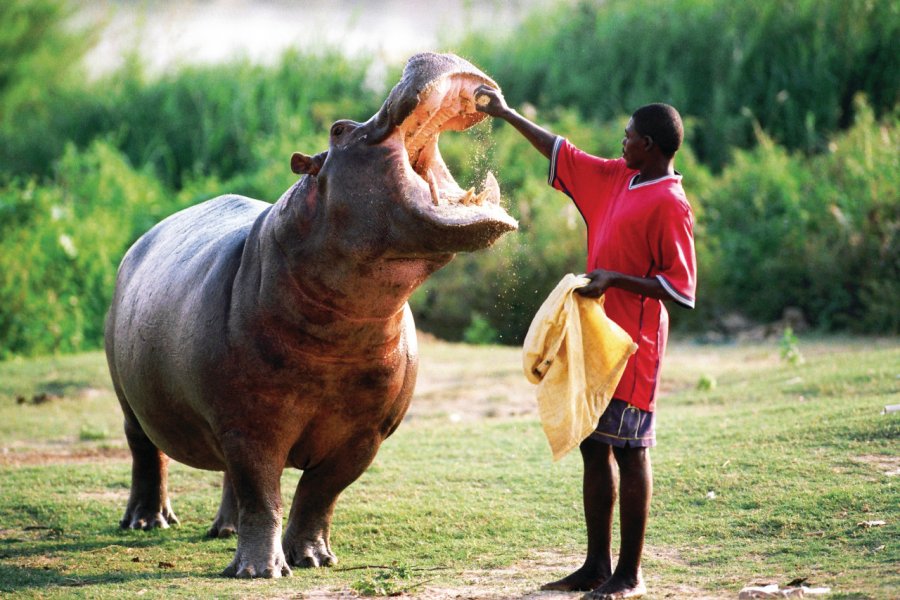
(337,129)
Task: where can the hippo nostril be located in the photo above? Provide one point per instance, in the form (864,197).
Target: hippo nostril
(337,130)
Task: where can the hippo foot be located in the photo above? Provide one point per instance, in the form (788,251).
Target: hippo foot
(148,519)
(221,528)
(309,553)
(246,566)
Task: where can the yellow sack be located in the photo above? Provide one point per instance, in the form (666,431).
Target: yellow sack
(576,355)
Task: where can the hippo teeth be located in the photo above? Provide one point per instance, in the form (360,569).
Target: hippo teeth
(490,193)
(491,189)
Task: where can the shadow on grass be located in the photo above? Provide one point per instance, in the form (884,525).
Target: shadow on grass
(49,545)
(15,579)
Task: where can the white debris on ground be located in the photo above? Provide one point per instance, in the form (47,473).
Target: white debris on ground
(775,591)
(867,524)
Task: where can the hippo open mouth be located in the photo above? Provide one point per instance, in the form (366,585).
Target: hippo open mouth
(446,105)
(437,94)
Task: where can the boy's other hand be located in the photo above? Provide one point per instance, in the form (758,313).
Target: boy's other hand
(601,279)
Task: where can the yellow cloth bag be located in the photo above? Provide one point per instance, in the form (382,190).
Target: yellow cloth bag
(576,355)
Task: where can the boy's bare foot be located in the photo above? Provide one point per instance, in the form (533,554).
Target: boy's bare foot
(616,588)
(581,580)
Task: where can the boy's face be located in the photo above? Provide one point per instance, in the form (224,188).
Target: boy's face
(634,147)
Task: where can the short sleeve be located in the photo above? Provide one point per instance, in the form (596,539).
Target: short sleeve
(581,176)
(674,251)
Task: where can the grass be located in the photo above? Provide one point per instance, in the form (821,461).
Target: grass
(464,497)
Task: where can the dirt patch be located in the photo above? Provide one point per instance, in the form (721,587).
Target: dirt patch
(889,465)
(521,581)
(514,581)
(62,456)
(471,384)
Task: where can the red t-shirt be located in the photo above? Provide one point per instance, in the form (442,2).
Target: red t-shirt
(643,230)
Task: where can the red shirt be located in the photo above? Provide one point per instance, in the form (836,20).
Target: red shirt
(643,230)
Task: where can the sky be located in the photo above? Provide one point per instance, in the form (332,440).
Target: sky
(170,33)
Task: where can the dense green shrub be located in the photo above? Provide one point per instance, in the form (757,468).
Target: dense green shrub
(60,245)
(41,55)
(819,234)
(793,66)
(795,188)
(198,121)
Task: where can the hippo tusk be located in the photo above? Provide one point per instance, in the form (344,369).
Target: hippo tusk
(491,191)
(433,188)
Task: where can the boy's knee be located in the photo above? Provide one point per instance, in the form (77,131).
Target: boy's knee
(595,452)
(632,459)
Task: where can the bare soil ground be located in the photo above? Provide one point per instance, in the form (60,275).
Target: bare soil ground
(57,455)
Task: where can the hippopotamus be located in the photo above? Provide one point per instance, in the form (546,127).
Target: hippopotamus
(247,337)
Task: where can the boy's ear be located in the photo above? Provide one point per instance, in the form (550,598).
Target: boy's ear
(648,143)
(301,164)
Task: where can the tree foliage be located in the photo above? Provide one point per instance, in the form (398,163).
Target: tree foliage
(41,54)
(791,66)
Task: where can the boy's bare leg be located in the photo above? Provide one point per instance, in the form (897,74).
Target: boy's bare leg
(599,489)
(635,491)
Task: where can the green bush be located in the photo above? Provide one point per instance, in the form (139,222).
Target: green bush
(793,66)
(794,184)
(61,244)
(198,121)
(41,55)
(817,234)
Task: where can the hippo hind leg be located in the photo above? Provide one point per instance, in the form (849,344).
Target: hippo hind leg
(148,503)
(225,523)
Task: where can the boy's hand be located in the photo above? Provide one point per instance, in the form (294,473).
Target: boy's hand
(601,279)
(490,101)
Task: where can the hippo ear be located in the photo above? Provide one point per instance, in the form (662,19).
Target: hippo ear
(308,165)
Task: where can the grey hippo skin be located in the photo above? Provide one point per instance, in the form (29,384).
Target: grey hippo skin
(246,337)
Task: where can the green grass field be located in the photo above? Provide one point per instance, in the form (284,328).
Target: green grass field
(767,474)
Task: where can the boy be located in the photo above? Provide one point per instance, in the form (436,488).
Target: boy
(640,252)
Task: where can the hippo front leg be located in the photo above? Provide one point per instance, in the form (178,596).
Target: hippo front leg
(307,539)
(254,468)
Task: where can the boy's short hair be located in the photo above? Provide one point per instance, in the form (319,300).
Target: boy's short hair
(662,123)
